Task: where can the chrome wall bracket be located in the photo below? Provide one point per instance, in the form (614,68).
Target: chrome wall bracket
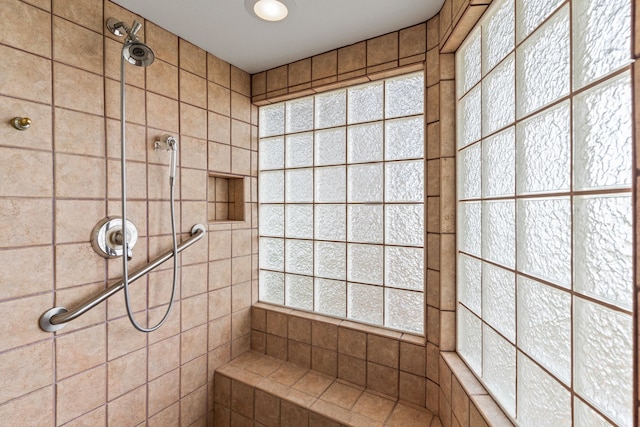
(106,237)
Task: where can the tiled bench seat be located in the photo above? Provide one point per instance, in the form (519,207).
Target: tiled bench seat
(259,390)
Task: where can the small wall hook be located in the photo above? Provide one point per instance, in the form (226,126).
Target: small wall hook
(21,123)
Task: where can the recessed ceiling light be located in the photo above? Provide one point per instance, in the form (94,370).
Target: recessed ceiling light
(269,10)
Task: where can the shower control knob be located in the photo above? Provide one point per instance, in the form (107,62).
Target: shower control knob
(107,238)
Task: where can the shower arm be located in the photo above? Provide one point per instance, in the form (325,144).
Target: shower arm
(57,317)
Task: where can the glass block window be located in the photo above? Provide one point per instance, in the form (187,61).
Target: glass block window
(545,227)
(341,189)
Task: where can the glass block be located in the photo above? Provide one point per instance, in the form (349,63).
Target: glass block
(404,95)
(499,232)
(604,365)
(364,183)
(365,103)
(498,97)
(331,222)
(299,221)
(470,172)
(364,263)
(365,303)
(365,223)
(543,63)
(544,239)
(299,257)
(468,63)
(271,120)
(404,138)
(365,142)
(330,184)
(271,153)
(271,253)
(469,117)
(299,115)
(498,34)
(544,326)
(331,109)
(603,245)
(469,227)
(404,310)
(499,300)
(299,186)
(271,220)
(499,369)
(331,297)
(299,150)
(602,135)
(404,268)
(271,288)
(299,291)
(531,13)
(469,339)
(330,260)
(404,225)
(499,163)
(542,401)
(330,147)
(601,38)
(583,415)
(404,182)
(470,283)
(543,154)
(271,187)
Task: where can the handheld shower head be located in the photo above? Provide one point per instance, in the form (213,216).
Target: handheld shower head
(169,143)
(138,53)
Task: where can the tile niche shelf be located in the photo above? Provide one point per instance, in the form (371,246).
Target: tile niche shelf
(226,198)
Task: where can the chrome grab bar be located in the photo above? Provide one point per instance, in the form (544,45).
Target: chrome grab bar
(57,317)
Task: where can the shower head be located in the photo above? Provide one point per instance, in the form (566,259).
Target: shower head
(138,53)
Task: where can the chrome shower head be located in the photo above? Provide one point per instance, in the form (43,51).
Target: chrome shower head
(138,53)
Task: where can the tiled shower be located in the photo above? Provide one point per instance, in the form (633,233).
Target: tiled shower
(60,68)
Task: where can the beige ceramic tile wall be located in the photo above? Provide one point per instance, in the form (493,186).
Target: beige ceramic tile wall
(61,176)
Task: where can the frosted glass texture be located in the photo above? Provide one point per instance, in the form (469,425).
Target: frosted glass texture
(330,222)
(601,38)
(330,297)
(544,219)
(299,291)
(365,142)
(299,150)
(499,368)
(330,184)
(404,267)
(544,326)
(542,401)
(404,181)
(498,164)
(299,115)
(602,134)
(341,192)
(330,147)
(603,245)
(404,309)
(365,303)
(272,220)
(404,138)
(331,109)
(604,364)
(404,95)
(544,239)
(543,61)
(272,153)
(365,263)
(544,150)
(299,221)
(365,103)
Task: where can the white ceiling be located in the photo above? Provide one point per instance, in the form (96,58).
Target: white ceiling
(225,28)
